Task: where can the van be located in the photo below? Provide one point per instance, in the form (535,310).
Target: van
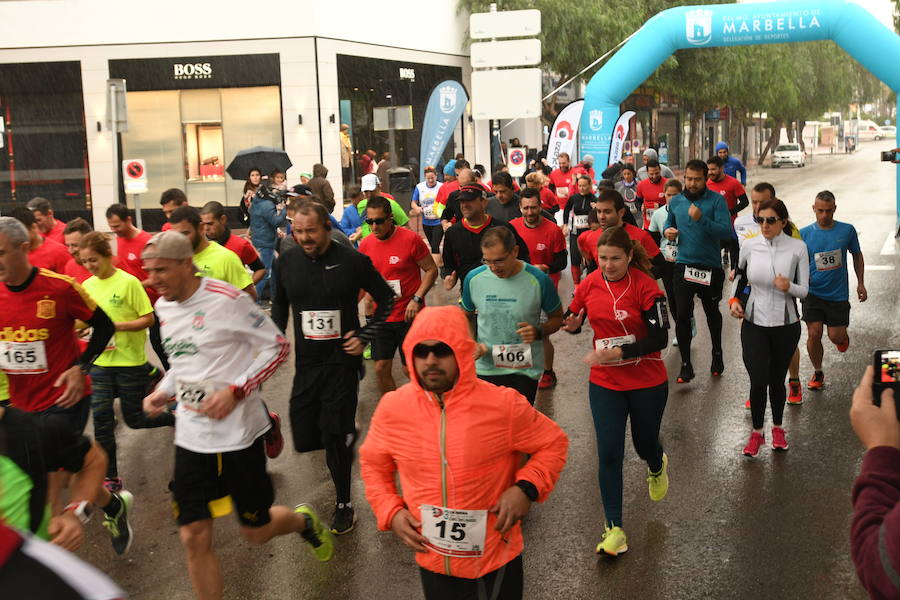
(868,131)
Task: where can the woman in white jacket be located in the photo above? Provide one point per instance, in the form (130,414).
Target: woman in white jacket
(773,272)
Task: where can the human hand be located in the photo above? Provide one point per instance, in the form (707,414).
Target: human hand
(450,281)
(220,404)
(731,274)
(528,332)
(406,527)
(874,425)
(66,531)
(512,506)
(73,380)
(782,282)
(573,321)
(606,355)
(352,344)
(861,292)
(155,402)
(671,234)
(737,311)
(694,212)
(412,309)
(480,350)
(565,230)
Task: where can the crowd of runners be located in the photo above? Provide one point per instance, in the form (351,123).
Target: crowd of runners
(183,327)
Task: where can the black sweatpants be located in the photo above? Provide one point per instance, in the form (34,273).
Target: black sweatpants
(523,384)
(710,296)
(506,583)
(667,274)
(767,355)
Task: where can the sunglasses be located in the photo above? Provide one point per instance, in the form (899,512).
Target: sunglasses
(440,350)
(768,220)
(380,221)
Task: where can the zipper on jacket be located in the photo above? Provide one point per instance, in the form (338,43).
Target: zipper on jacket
(444,499)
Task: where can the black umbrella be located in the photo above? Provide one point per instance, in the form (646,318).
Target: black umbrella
(264,158)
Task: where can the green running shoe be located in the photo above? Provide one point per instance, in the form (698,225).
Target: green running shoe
(320,541)
(613,542)
(367,353)
(659,482)
(118,526)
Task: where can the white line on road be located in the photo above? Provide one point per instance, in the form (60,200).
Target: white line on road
(879,267)
(890,245)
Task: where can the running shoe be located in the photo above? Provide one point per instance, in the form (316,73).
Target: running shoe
(613,542)
(686,374)
(113,485)
(675,342)
(367,353)
(817,382)
(548,380)
(320,541)
(658,483)
(779,441)
(118,526)
(747,404)
(344,519)
(273,440)
(843,347)
(756,441)
(795,396)
(718,364)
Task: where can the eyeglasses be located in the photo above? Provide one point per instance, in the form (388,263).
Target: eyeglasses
(440,350)
(379,221)
(768,220)
(495,262)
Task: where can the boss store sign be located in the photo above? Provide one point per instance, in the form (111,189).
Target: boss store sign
(192,72)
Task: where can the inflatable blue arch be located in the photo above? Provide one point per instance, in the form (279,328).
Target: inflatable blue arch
(850,25)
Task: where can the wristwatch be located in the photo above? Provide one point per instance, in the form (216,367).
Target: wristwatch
(82,510)
(418,299)
(528,488)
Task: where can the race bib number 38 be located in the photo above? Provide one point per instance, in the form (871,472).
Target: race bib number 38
(321,324)
(829,261)
(453,532)
(512,356)
(23,358)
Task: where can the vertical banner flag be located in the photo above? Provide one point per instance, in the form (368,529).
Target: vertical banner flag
(618,137)
(445,106)
(564,134)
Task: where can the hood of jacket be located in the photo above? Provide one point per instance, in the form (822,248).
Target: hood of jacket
(721,146)
(651,154)
(450,325)
(320,171)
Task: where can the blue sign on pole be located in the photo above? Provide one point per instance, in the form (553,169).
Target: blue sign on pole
(445,106)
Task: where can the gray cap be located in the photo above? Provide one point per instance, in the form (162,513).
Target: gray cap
(168,244)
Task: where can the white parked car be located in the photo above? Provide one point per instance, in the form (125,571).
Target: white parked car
(889,131)
(788,154)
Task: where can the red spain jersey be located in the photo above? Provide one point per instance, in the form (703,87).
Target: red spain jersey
(37,336)
(544,242)
(397,259)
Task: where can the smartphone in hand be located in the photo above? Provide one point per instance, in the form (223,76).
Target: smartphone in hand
(887,375)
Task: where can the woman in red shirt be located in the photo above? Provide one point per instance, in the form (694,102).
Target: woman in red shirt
(628,313)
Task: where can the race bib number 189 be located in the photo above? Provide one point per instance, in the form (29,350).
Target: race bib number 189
(453,532)
(695,275)
(23,358)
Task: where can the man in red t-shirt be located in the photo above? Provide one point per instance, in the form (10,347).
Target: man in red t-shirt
(49,227)
(563,180)
(75,230)
(43,253)
(730,188)
(215,228)
(610,209)
(585,167)
(400,256)
(38,349)
(171,199)
(547,250)
(130,242)
(651,192)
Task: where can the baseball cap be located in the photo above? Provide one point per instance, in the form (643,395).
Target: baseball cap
(370,182)
(168,244)
(473,191)
(587,158)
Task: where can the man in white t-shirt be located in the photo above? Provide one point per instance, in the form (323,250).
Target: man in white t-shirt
(221,348)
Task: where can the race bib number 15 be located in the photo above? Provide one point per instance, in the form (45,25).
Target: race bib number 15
(453,532)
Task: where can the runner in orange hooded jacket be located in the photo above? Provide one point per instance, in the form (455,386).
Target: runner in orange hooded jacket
(462,450)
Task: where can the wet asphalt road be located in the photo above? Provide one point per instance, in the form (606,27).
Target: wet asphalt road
(773,527)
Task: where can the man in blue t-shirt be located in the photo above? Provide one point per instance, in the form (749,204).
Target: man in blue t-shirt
(699,220)
(828,301)
(509,296)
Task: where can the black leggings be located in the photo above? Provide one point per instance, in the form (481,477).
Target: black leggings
(667,273)
(434,234)
(339,458)
(767,355)
(445,587)
(710,295)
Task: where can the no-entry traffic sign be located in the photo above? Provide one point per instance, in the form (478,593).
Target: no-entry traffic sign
(134,176)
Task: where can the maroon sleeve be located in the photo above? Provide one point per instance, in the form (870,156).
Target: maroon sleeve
(875,531)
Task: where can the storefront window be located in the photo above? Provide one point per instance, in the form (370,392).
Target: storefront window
(43,147)
(204,149)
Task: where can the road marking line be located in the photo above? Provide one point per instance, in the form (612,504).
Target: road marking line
(879,267)
(890,245)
